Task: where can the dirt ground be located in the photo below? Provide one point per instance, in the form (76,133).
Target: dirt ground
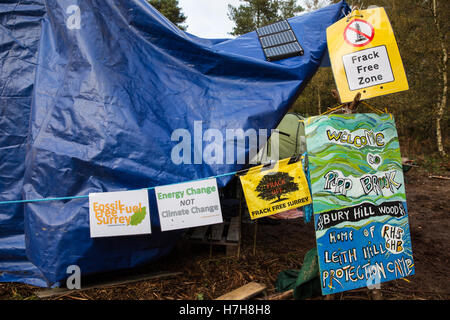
(283,246)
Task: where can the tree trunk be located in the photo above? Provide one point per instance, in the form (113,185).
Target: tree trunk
(441,104)
(319,101)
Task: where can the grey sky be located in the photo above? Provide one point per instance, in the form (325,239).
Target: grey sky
(208,18)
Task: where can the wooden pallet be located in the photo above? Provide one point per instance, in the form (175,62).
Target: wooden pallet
(222,234)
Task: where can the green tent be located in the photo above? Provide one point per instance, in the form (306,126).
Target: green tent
(289,136)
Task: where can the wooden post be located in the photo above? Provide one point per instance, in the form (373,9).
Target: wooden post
(376,294)
(347,108)
(210,248)
(254,237)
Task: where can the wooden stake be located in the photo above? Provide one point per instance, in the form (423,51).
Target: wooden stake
(254,237)
(240,222)
(376,294)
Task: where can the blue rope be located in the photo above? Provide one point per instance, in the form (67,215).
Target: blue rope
(87,196)
(43,199)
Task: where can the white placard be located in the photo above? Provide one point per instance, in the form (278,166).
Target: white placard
(188,205)
(367,68)
(119,213)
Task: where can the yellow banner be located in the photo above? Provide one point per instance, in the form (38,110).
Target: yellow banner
(364,55)
(270,190)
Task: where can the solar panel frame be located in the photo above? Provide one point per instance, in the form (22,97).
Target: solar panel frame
(279,41)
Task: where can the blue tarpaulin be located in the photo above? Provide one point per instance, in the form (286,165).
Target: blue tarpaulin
(20,27)
(90,94)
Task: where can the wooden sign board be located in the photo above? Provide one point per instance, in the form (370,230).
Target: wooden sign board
(359,201)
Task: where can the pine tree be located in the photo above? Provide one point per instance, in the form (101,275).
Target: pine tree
(171,10)
(253,14)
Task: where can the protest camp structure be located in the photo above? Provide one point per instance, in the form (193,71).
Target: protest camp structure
(89,102)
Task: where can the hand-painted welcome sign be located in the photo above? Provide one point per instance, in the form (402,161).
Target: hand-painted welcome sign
(359,201)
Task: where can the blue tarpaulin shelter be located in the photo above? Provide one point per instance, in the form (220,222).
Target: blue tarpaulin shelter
(90,94)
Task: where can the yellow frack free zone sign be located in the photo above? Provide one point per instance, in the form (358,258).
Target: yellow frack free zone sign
(364,55)
(270,191)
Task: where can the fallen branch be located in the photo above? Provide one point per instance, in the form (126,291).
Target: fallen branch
(438,177)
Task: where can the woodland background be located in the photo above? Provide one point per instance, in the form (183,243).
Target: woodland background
(421,28)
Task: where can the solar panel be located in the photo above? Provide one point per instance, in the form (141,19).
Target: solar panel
(273,28)
(284,51)
(279,41)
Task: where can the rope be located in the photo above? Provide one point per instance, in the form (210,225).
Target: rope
(374,109)
(87,196)
(149,188)
(332,109)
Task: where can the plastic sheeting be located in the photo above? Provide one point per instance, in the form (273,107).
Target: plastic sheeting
(20,27)
(112,81)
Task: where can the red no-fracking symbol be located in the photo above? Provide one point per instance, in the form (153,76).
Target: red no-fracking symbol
(359,33)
